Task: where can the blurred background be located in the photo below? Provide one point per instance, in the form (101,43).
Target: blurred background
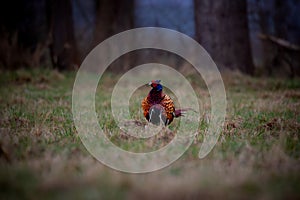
(256,37)
(256,46)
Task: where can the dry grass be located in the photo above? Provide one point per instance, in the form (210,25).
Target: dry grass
(41,155)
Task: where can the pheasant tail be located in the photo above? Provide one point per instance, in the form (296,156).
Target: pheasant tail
(181,112)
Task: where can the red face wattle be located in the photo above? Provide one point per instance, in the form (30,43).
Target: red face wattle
(154,83)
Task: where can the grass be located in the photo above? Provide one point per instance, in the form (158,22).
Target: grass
(41,155)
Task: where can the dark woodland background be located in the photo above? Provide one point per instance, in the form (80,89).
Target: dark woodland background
(256,46)
(256,37)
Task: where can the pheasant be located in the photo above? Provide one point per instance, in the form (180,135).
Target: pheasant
(158,107)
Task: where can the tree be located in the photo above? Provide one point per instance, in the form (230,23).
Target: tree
(63,47)
(112,17)
(279,32)
(23,38)
(222,29)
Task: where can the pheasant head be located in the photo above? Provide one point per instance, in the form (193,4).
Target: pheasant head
(156,86)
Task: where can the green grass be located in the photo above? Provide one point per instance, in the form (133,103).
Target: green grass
(41,155)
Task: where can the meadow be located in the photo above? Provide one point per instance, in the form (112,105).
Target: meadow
(257,155)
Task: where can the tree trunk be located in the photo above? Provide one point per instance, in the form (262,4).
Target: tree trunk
(23,33)
(222,29)
(61,31)
(275,19)
(112,17)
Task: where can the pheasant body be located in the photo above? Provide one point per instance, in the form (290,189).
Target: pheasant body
(159,107)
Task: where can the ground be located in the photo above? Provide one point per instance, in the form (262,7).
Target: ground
(41,155)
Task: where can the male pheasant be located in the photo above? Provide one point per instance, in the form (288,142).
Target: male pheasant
(158,107)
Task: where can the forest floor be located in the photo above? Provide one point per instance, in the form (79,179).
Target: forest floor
(257,155)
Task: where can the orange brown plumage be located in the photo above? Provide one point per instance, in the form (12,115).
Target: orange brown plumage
(158,106)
